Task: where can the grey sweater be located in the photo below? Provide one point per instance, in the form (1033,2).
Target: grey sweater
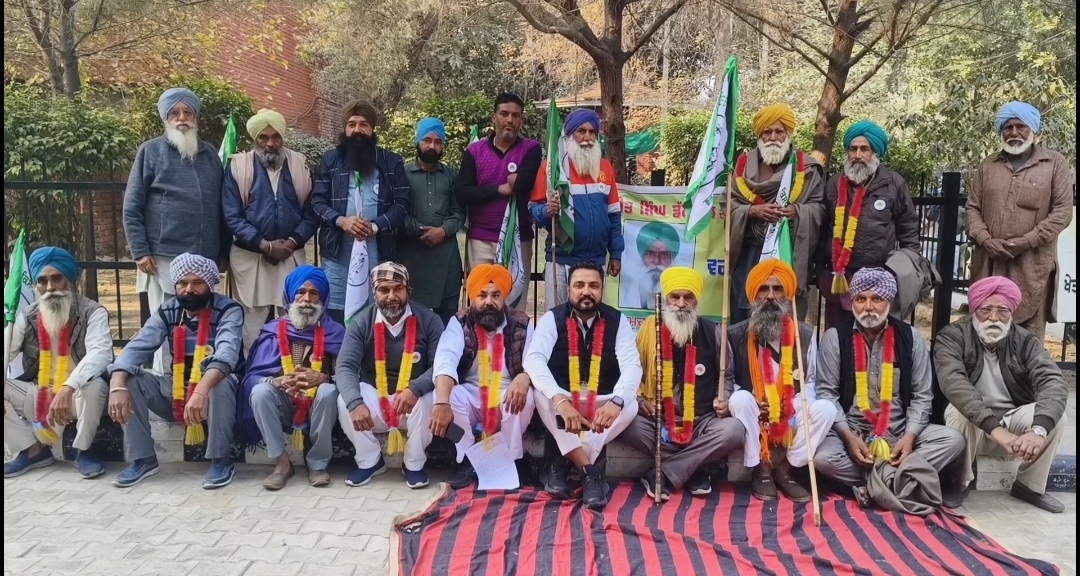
(356,363)
(172,205)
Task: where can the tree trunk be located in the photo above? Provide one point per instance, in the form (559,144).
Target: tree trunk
(68,47)
(611,102)
(832,96)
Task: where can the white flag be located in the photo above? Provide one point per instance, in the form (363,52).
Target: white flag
(26,296)
(358,289)
(509,256)
(716,157)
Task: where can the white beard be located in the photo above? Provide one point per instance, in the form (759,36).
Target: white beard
(1018,149)
(586,161)
(871,320)
(186,143)
(304,316)
(861,173)
(681,324)
(55,310)
(772,153)
(991,332)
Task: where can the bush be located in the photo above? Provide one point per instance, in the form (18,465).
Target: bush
(218,98)
(312,147)
(681,139)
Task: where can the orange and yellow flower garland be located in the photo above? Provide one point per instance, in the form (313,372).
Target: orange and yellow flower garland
(301,403)
(843,239)
(395,443)
(491,366)
(47,385)
(194,434)
(878,445)
(573,340)
(683,433)
(778,393)
(796,184)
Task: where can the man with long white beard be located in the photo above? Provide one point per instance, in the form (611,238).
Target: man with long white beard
(384,378)
(777,186)
(764,363)
(288,386)
(877,420)
(594,197)
(267,208)
(695,433)
(1006,395)
(658,244)
(870,216)
(66,345)
(1020,201)
(172,204)
(361,193)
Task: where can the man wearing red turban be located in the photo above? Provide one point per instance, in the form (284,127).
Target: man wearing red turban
(1006,395)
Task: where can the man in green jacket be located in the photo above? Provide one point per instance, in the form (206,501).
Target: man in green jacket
(1006,395)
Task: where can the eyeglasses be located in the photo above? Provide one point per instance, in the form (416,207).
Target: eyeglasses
(985,313)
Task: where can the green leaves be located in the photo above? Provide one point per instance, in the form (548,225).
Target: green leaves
(218,98)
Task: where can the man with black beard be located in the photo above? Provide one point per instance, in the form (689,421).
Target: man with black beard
(769,409)
(429,247)
(487,327)
(266,203)
(210,325)
(59,316)
(361,195)
(876,218)
(390,344)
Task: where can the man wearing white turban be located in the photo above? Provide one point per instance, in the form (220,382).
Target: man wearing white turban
(267,205)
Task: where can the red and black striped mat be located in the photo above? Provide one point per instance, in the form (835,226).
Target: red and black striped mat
(527,533)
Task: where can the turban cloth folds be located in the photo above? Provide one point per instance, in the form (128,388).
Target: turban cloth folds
(877,280)
(578,118)
(485,274)
(302,275)
(265,119)
(766,269)
(58,258)
(654,231)
(770,115)
(429,125)
(188,263)
(681,278)
(874,134)
(1001,286)
(173,96)
(1023,112)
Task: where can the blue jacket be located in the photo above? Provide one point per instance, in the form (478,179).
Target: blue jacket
(330,199)
(267,216)
(598,232)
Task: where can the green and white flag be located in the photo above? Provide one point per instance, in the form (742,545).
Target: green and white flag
(716,157)
(474,133)
(228,143)
(778,240)
(508,254)
(558,179)
(19,290)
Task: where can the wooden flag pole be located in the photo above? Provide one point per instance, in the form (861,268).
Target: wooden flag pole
(815,500)
(721,391)
(659,488)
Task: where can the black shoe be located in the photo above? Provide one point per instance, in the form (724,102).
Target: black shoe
(1040,501)
(954,497)
(463,475)
(700,484)
(555,477)
(594,484)
(649,482)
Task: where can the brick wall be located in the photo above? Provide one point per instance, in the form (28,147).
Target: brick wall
(109,239)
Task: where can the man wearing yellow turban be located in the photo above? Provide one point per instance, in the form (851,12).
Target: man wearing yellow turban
(779,206)
(765,381)
(266,207)
(696,435)
(465,367)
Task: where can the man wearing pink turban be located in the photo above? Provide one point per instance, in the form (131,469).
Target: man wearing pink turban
(1006,395)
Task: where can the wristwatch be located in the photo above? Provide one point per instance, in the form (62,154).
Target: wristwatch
(1039,431)
(618,401)
(374,228)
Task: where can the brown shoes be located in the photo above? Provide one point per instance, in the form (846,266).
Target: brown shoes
(318,478)
(787,485)
(763,487)
(276,480)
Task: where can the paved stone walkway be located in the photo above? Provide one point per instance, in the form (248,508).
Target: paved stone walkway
(57,525)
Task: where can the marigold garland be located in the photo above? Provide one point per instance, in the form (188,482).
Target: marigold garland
(395,443)
(879,423)
(779,393)
(684,432)
(491,367)
(796,185)
(48,385)
(573,338)
(194,434)
(843,239)
(301,403)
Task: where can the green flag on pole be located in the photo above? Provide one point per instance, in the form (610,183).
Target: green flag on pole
(228,143)
(558,178)
(716,156)
(474,133)
(17,282)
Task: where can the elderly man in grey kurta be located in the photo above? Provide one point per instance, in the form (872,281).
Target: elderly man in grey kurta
(776,183)
(172,203)
(868,346)
(429,247)
(267,207)
(1020,201)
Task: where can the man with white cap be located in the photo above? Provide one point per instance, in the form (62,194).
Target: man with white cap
(267,207)
(202,328)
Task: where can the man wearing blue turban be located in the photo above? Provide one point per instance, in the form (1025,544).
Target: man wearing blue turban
(1021,199)
(270,399)
(172,203)
(870,216)
(64,338)
(429,247)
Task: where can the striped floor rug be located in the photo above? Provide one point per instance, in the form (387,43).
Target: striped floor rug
(527,533)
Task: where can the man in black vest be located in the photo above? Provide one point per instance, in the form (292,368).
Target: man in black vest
(707,437)
(459,371)
(586,410)
(858,349)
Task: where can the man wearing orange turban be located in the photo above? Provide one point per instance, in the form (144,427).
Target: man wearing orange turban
(466,363)
(779,206)
(770,410)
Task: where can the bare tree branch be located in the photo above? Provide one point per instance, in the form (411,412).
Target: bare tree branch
(651,30)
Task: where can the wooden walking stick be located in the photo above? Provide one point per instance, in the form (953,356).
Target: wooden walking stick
(814,499)
(721,389)
(659,390)
(554,268)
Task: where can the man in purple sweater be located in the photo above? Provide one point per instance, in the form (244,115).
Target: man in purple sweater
(494,170)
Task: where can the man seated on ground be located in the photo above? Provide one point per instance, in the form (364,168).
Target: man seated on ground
(289,386)
(1006,396)
(583,408)
(878,421)
(204,331)
(695,435)
(768,335)
(66,345)
(384,378)
(485,339)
